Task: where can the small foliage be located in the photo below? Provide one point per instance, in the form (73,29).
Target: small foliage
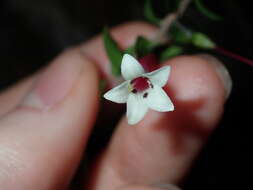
(131,51)
(180,35)
(102,86)
(211,15)
(113,52)
(170,52)
(149,13)
(143,46)
(201,40)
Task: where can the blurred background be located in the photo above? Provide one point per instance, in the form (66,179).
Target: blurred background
(33,32)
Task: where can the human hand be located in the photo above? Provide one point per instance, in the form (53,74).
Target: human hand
(46,121)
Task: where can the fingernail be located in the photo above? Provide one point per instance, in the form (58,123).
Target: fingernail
(166,186)
(55,82)
(221,71)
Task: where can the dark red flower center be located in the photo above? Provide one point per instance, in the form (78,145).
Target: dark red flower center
(149,62)
(140,84)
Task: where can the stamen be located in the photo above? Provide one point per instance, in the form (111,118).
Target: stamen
(140,84)
(145,95)
(134,91)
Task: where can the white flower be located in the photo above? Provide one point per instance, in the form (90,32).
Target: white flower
(141,90)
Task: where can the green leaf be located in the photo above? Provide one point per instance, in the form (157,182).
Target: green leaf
(179,34)
(131,51)
(149,13)
(113,52)
(170,52)
(102,86)
(199,5)
(143,46)
(201,40)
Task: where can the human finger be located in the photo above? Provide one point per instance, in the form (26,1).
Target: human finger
(161,148)
(43,138)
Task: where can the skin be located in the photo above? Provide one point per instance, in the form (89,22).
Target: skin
(41,142)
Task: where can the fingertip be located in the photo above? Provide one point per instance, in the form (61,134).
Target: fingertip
(196,81)
(163,145)
(221,71)
(196,76)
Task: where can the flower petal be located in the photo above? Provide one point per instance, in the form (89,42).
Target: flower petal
(136,108)
(118,94)
(158,100)
(160,76)
(130,67)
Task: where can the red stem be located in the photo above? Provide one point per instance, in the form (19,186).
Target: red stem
(233,55)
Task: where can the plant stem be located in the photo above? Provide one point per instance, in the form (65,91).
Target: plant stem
(161,36)
(233,55)
(183,6)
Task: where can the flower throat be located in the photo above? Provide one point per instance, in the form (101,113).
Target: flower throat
(140,84)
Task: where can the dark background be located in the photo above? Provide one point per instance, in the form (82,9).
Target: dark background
(33,32)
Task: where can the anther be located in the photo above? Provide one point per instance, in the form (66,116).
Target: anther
(145,95)
(134,91)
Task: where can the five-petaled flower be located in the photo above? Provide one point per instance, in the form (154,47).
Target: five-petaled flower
(141,90)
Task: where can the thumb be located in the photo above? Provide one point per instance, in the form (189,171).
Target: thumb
(42,139)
